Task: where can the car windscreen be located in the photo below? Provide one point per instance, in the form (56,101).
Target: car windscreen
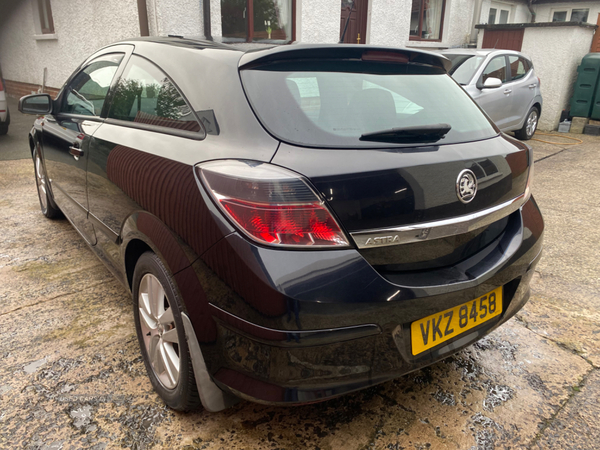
(334,104)
(464,66)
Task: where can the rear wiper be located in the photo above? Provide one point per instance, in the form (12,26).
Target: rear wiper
(423,133)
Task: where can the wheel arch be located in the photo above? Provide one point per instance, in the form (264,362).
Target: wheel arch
(144,232)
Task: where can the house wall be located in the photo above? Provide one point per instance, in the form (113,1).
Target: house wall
(390,23)
(557,68)
(543,11)
(179,17)
(81,27)
(318,21)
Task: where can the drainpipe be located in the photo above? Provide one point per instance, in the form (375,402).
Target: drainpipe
(476,17)
(143,17)
(529,2)
(206,14)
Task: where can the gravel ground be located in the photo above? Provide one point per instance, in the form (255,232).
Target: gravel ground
(72,378)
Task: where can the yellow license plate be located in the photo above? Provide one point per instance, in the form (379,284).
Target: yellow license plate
(440,327)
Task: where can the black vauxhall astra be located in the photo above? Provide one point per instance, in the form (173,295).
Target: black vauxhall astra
(294,223)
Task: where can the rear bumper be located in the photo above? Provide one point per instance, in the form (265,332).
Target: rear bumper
(300,327)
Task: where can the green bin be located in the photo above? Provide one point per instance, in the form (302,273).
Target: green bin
(596,105)
(586,86)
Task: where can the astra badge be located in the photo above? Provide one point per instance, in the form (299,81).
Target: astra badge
(466,186)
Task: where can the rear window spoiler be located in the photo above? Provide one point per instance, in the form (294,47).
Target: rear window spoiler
(353,52)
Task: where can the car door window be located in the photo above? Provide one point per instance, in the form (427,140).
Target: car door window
(518,67)
(87,91)
(146,95)
(495,69)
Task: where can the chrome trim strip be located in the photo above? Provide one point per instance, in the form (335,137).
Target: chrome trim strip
(428,231)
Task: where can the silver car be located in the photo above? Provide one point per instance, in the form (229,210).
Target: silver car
(503,83)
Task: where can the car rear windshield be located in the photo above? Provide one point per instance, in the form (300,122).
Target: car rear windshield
(333,104)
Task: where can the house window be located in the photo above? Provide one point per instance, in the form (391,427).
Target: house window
(426,20)
(579,15)
(559,16)
(498,15)
(573,15)
(45,11)
(258,20)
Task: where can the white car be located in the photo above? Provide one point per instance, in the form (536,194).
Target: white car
(4,114)
(503,83)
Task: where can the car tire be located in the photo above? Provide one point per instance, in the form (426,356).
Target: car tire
(4,125)
(157,308)
(530,125)
(43,188)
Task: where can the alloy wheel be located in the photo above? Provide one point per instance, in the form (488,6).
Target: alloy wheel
(40,178)
(159,331)
(532,121)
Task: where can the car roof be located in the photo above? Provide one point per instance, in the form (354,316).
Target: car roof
(481,52)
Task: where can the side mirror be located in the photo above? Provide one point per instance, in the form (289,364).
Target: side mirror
(37,104)
(492,83)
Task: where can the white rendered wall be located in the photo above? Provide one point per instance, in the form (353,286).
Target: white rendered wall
(178,17)
(556,52)
(318,21)
(543,11)
(81,27)
(390,22)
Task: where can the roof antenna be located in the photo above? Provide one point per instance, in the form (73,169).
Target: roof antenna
(347,22)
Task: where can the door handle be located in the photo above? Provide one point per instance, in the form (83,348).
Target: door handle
(531,86)
(76,152)
(507,91)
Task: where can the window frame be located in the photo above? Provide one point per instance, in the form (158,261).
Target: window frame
(420,30)
(196,135)
(47,17)
(569,14)
(250,26)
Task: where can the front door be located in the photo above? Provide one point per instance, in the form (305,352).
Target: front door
(354,14)
(66,135)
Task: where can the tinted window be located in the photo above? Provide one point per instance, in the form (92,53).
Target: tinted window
(495,69)
(87,92)
(518,67)
(145,95)
(334,108)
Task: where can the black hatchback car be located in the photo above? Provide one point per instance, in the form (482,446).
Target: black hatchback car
(294,223)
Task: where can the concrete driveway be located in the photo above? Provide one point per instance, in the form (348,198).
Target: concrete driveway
(71,376)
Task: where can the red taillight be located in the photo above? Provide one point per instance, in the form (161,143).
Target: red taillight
(1,85)
(271,205)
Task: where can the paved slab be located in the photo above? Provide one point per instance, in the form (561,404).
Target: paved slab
(72,376)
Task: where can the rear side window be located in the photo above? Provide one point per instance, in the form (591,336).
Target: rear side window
(332,108)
(146,95)
(495,69)
(519,67)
